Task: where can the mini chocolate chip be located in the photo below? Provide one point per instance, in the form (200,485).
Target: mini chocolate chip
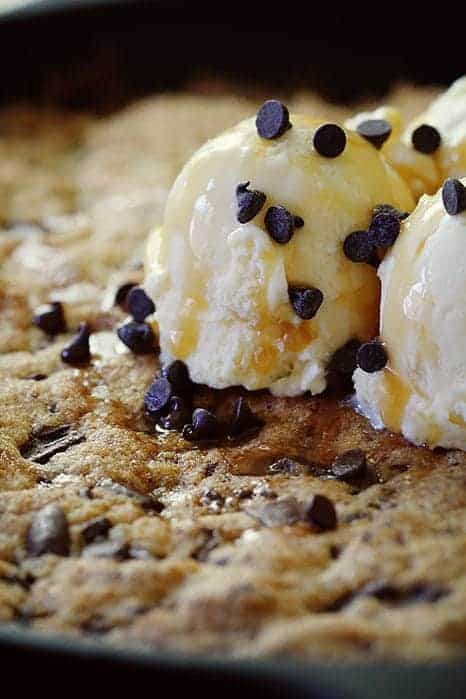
(147,502)
(36,377)
(272,120)
(77,351)
(280,512)
(49,532)
(321,512)
(119,550)
(358,247)
(352,464)
(372,357)
(426,592)
(178,375)
(376,131)
(50,318)
(157,397)
(454,196)
(298,221)
(137,336)
(279,224)
(288,467)
(383,591)
(389,209)
(204,426)
(243,419)
(384,230)
(329,140)
(47,442)
(250,202)
(121,296)
(306,301)
(139,304)
(344,359)
(179,414)
(96,529)
(426,139)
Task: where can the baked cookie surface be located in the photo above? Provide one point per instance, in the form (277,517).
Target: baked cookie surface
(111,527)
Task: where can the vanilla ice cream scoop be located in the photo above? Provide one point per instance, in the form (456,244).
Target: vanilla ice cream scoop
(419,170)
(421,392)
(248,273)
(447,114)
(432,147)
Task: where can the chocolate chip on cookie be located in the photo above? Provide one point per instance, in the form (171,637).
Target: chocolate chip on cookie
(321,512)
(177,374)
(45,443)
(179,414)
(139,304)
(96,529)
(349,465)
(138,337)
(243,419)
(417,593)
(36,377)
(78,351)
(158,396)
(48,532)
(50,318)
(121,296)
(204,425)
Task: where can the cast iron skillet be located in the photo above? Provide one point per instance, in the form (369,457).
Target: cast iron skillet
(97,56)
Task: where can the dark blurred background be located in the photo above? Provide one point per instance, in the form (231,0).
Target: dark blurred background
(102,54)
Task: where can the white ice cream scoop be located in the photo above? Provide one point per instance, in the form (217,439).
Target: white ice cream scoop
(422,390)
(248,273)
